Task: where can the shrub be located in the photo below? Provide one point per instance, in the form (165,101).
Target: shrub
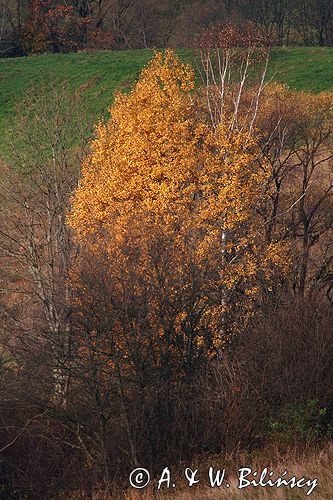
(303,422)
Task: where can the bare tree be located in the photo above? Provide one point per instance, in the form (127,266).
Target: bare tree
(45,148)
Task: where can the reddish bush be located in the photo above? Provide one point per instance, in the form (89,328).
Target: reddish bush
(231,36)
(54,28)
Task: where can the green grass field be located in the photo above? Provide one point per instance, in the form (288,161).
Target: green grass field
(309,69)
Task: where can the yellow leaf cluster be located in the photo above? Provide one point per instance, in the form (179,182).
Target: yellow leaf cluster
(157,168)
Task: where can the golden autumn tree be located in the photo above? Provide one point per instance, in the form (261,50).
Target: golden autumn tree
(168,197)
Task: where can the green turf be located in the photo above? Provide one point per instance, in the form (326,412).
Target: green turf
(309,69)
(104,72)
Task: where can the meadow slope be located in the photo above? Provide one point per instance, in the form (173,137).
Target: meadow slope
(101,73)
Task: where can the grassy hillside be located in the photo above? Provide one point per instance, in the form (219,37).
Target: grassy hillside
(101,72)
(308,69)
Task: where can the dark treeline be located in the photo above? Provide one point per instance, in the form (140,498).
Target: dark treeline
(39,26)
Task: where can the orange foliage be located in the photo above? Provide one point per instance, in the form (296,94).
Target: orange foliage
(157,172)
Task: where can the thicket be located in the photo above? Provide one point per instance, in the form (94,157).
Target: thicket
(39,26)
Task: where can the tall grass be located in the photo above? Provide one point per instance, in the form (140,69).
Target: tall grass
(316,464)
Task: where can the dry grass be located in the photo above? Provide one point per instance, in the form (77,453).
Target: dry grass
(316,465)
